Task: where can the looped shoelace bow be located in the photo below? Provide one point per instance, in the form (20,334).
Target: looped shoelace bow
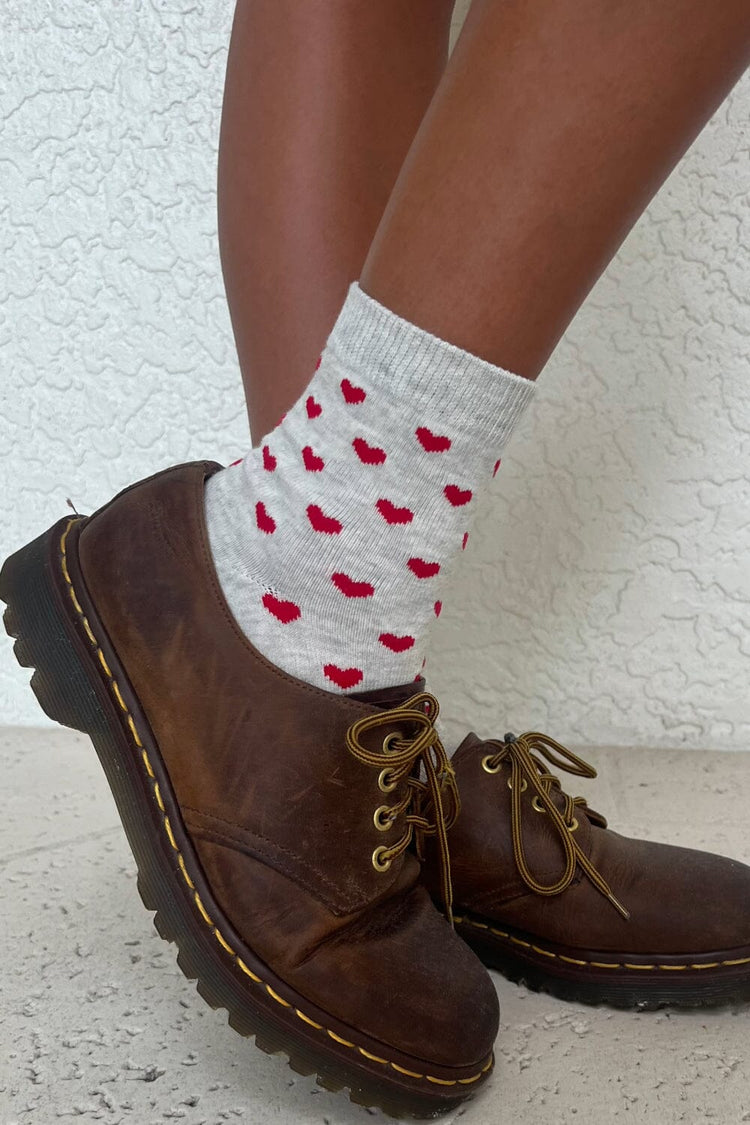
(527,770)
(398,759)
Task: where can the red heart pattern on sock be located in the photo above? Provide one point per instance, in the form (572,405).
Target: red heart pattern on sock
(497,466)
(368,454)
(269,461)
(283,611)
(319,521)
(464,541)
(352,394)
(312,462)
(342,677)
(457,496)
(423,569)
(432,443)
(396,643)
(265,522)
(351,589)
(438,608)
(313,408)
(392,514)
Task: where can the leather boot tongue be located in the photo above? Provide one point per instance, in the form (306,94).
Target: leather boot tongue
(390,696)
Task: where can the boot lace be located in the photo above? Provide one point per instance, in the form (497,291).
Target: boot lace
(528,770)
(430,807)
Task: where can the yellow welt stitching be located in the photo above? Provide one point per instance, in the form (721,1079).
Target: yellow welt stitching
(134,732)
(544,952)
(374,1058)
(168,829)
(118,697)
(403,1070)
(184,871)
(488,1064)
(221,941)
(202,909)
(307,1019)
(279,999)
(249,972)
(338,1038)
(600,964)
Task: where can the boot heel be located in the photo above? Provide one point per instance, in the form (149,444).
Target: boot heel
(44,639)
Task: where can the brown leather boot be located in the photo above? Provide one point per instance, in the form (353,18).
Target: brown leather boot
(548,895)
(271,822)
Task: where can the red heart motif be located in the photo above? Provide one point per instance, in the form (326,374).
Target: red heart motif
(497,466)
(269,461)
(313,408)
(464,541)
(351,393)
(320,360)
(342,677)
(394,643)
(237,462)
(438,607)
(392,514)
(368,454)
(283,611)
(319,521)
(457,496)
(313,463)
(423,569)
(264,521)
(432,443)
(351,589)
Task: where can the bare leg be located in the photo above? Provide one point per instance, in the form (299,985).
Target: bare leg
(322,101)
(552,128)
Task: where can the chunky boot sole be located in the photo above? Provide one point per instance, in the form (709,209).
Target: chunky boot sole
(80,682)
(623,980)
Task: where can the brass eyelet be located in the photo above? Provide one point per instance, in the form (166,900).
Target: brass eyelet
(486,764)
(383,818)
(378,861)
(537,805)
(389,738)
(572,827)
(524,784)
(386,782)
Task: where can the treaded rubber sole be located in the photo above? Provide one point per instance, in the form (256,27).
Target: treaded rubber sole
(71,690)
(625,981)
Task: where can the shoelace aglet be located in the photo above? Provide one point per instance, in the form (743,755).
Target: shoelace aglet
(619,907)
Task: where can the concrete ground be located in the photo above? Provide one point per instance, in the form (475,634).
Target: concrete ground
(98,1025)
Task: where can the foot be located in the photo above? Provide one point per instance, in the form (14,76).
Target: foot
(271,821)
(548,895)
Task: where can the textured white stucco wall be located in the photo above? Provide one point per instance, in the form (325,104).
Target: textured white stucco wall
(606,591)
